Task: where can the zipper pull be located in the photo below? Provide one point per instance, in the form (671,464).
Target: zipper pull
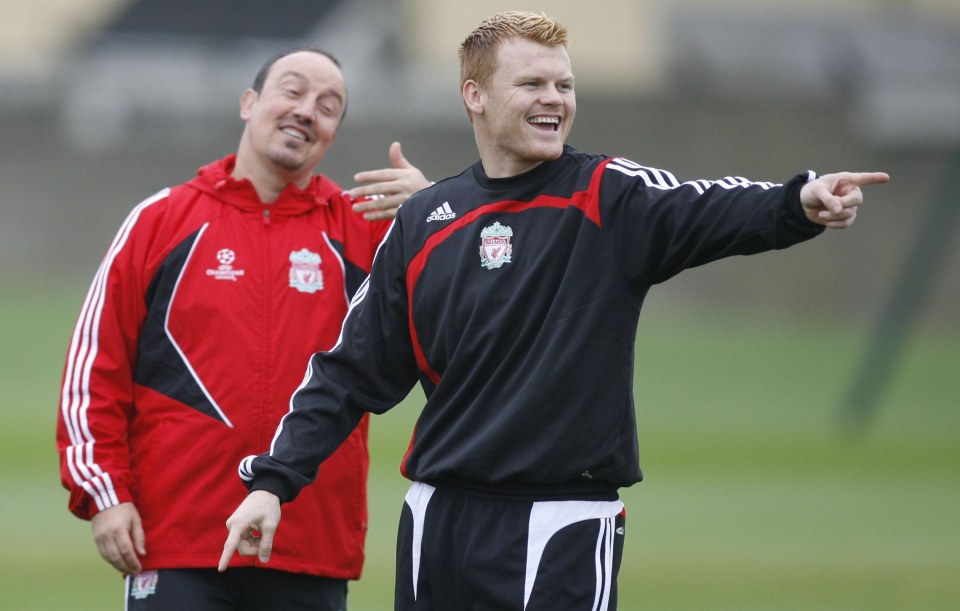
(266,216)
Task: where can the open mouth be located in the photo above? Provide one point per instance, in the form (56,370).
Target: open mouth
(295,133)
(551,123)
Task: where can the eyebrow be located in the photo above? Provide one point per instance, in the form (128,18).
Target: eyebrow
(292,73)
(569,78)
(303,79)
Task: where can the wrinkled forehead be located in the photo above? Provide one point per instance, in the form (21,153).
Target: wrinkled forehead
(310,69)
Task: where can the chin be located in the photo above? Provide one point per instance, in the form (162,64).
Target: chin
(548,153)
(288,161)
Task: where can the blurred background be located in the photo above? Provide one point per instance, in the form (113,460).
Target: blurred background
(798,410)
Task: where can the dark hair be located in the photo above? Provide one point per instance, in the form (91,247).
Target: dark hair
(265,69)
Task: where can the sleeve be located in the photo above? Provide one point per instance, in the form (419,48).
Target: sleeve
(370,369)
(658,226)
(96,398)
(359,242)
(372,232)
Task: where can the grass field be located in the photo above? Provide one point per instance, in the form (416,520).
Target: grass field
(755,497)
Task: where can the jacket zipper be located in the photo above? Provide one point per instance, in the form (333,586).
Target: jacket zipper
(266,261)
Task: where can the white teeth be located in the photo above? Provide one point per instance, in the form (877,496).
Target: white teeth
(295,133)
(550,120)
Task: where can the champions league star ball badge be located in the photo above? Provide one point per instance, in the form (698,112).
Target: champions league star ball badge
(495,246)
(305,274)
(225,271)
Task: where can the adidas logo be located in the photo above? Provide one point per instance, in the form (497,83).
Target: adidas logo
(443,213)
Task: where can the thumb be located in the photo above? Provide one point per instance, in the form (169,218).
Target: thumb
(397,159)
(819,194)
(831,202)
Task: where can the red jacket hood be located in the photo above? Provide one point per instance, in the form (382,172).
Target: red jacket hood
(215,179)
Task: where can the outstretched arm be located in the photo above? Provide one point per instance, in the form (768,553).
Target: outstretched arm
(389,187)
(832,200)
(252,527)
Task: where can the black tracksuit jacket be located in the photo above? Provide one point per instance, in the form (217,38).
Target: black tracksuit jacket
(515,303)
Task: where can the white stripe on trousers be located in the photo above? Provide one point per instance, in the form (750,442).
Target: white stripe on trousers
(549,517)
(418,497)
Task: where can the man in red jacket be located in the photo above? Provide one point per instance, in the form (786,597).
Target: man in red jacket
(196,330)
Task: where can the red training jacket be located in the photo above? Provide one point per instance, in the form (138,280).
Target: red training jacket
(195,332)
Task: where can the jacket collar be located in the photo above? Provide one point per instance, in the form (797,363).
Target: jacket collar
(215,180)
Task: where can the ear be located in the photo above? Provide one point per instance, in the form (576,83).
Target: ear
(247,101)
(473,97)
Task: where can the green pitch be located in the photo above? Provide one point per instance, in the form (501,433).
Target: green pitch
(754,498)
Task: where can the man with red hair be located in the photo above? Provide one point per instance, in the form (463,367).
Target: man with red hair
(512,293)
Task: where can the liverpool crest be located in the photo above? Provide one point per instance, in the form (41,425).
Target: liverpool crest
(495,246)
(144,584)
(305,274)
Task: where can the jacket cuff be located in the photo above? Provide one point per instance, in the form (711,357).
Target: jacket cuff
(792,204)
(85,507)
(274,485)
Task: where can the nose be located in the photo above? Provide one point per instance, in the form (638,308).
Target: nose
(551,97)
(304,110)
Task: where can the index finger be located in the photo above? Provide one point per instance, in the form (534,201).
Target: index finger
(381,175)
(868,178)
(229,548)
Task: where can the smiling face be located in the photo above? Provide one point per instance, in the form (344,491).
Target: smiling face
(292,121)
(523,114)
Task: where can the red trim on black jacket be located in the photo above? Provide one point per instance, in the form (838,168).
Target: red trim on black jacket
(526,362)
